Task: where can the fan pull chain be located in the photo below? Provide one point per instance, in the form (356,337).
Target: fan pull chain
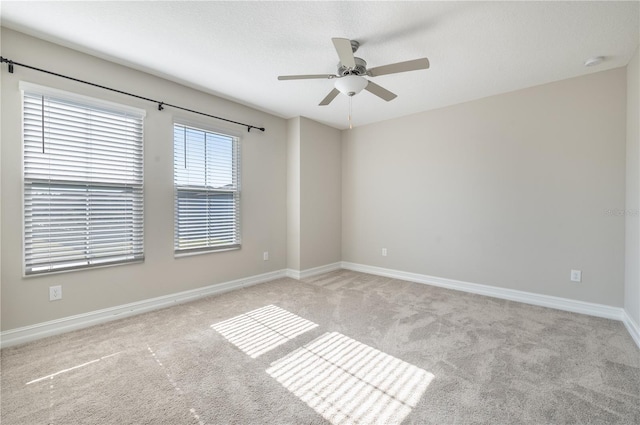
(350,108)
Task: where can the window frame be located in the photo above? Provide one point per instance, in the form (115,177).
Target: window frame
(90,103)
(237,158)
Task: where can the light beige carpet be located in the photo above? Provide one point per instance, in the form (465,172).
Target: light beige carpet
(339,348)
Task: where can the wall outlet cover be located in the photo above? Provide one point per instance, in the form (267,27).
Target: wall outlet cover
(576,275)
(55,293)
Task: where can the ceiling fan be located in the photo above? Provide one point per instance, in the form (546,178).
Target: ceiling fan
(351,71)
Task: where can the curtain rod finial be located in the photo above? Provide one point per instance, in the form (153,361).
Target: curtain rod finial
(9,62)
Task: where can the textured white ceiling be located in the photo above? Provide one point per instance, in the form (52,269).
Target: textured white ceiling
(236,50)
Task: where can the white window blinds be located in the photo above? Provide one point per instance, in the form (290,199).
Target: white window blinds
(207,192)
(83,184)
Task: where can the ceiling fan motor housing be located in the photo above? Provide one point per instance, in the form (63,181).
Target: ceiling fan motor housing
(360,69)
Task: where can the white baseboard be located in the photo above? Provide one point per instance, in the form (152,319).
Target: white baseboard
(66,324)
(293,274)
(591,309)
(59,326)
(558,303)
(303,274)
(632,327)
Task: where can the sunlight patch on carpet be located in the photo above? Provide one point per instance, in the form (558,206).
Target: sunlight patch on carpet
(71,368)
(348,382)
(175,385)
(262,330)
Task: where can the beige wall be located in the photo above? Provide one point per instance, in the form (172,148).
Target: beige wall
(320,196)
(293,193)
(510,191)
(1,80)
(313,194)
(25,301)
(632,272)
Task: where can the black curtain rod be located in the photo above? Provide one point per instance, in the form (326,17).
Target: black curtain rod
(161,105)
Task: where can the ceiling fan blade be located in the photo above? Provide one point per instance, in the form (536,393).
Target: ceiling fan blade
(381,92)
(394,68)
(327,100)
(345,52)
(306,77)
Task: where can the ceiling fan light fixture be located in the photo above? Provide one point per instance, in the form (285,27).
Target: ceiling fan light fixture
(351,84)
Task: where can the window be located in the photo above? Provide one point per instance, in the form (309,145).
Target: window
(207,192)
(82,182)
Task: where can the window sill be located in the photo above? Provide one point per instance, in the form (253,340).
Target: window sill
(180,254)
(79,269)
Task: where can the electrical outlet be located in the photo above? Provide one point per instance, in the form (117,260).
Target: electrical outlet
(55,293)
(265,256)
(576,275)
(384,252)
